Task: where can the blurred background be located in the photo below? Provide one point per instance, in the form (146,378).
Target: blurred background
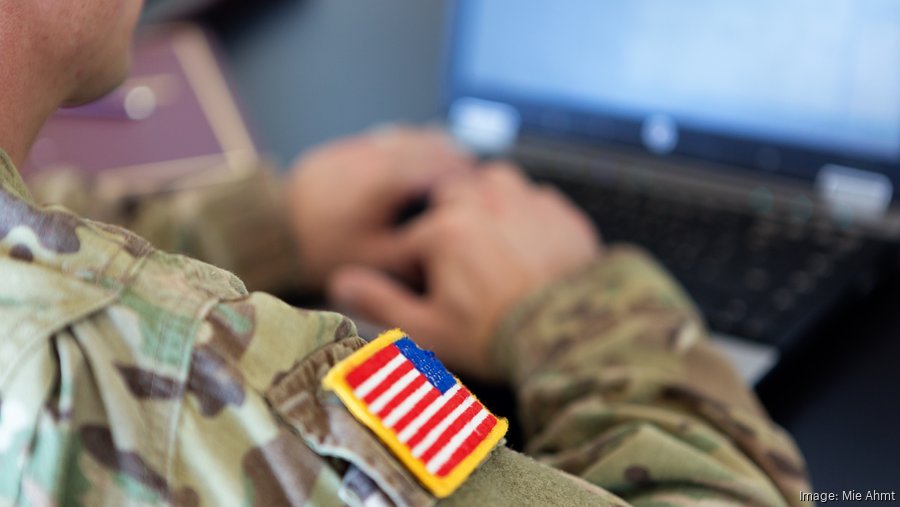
(812,299)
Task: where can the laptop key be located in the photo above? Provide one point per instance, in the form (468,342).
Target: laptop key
(750,276)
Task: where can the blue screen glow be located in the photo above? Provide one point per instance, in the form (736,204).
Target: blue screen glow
(814,73)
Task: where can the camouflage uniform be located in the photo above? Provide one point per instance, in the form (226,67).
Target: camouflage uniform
(129,376)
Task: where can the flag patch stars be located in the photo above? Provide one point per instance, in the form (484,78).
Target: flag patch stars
(421,412)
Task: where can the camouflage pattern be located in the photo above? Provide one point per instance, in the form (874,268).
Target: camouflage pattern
(618,384)
(198,221)
(129,376)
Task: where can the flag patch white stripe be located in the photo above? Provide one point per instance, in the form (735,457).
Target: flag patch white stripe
(402,409)
(436,432)
(378,377)
(426,414)
(392,392)
(447,451)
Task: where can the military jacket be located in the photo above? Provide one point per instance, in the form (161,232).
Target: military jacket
(130,376)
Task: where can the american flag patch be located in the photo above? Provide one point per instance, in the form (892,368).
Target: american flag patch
(424,415)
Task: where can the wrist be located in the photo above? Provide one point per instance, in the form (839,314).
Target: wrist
(261,239)
(308,279)
(580,306)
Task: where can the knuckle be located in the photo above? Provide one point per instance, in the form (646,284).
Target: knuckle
(451,224)
(450,190)
(503,173)
(549,192)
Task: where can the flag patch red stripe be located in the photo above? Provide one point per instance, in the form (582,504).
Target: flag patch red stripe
(373,364)
(469,445)
(451,430)
(402,396)
(416,410)
(439,416)
(389,381)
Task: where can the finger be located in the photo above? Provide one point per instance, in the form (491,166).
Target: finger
(429,233)
(485,182)
(495,186)
(420,141)
(423,158)
(557,202)
(552,193)
(395,253)
(504,176)
(455,190)
(388,134)
(375,296)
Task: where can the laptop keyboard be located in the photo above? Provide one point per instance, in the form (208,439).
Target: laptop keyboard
(757,278)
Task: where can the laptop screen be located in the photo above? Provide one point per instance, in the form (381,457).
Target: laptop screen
(783,85)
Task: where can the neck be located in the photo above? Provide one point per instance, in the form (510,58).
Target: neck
(25,107)
(29,93)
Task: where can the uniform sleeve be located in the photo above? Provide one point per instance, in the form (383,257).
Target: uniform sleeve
(232,446)
(618,383)
(216,224)
(239,225)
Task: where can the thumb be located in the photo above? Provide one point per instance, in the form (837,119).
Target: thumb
(374,295)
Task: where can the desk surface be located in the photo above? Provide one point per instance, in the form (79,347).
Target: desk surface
(313,70)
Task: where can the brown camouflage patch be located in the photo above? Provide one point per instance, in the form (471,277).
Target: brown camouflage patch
(560,344)
(529,317)
(227,340)
(785,466)
(583,313)
(145,384)
(591,453)
(344,330)
(282,472)
(712,408)
(100,445)
(692,398)
(214,381)
(580,388)
(651,305)
(639,476)
(281,375)
(185,497)
(133,244)
(580,309)
(597,320)
(22,253)
(739,427)
(55,230)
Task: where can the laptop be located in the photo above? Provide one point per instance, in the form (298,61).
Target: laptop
(753,147)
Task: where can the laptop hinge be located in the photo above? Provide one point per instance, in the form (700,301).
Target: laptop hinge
(851,191)
(485,127)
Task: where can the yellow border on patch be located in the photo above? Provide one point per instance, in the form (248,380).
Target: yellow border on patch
(336,381)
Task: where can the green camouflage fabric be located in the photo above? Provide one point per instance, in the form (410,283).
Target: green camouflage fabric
(129,376)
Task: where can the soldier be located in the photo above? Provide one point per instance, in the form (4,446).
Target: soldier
(131,376)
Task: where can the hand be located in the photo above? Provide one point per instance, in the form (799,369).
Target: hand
(343,199)
(489,240)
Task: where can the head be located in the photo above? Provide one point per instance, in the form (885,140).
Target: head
(80,46)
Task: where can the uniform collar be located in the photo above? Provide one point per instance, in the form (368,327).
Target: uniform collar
(11,181)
